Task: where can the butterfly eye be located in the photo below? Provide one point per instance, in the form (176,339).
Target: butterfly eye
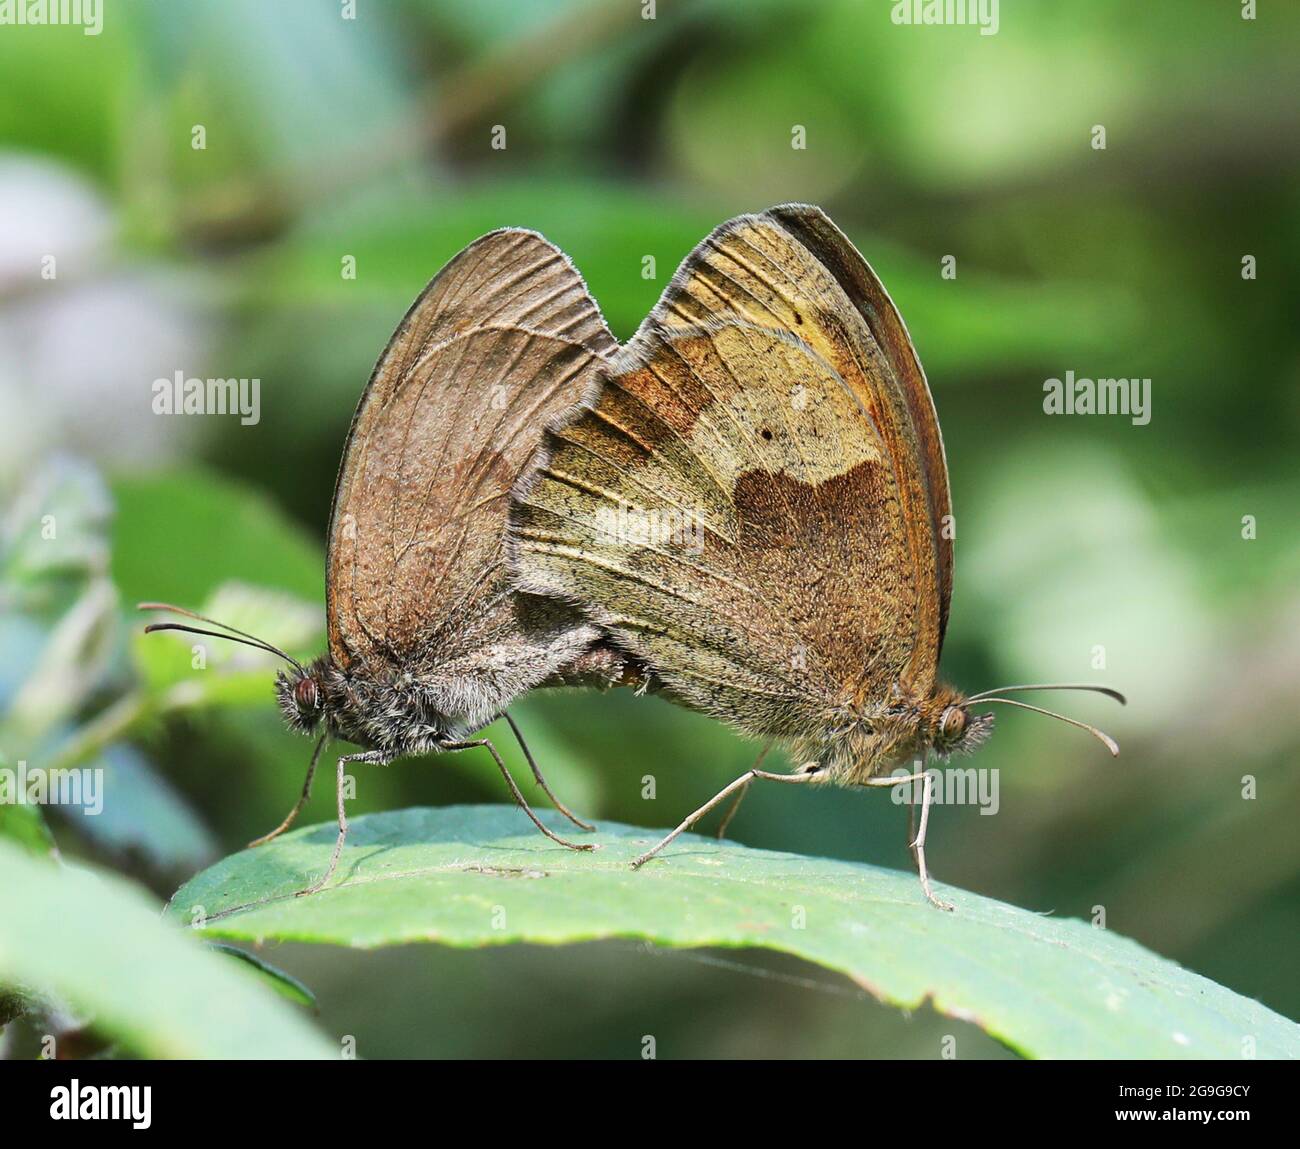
(953,724)
(306,695)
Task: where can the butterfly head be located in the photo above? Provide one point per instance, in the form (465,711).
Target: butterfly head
(946,725)
(303,696)
(308,695)
(953,728)
(907,730)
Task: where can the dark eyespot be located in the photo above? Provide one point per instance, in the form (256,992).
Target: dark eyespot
(953,724)
(305,694)
(767,434)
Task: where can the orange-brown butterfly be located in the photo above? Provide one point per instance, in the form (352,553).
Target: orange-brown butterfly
(771,437)
(428,643)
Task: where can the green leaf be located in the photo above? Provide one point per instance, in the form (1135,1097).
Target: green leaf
(13,1004)
(477,876)
(26,826)
(76,656)
(286,985)
(58,611)
(23,823)
(88,938)
(55,526)
(230,673)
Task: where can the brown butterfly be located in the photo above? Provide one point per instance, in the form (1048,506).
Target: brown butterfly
(428,642)
(772,402)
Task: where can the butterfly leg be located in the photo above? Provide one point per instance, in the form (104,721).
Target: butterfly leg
(911,823)
(731,811)
(918,843)
(514,789)
(541,781)
(302,800)
(804,774)
(740,795)
(373,757)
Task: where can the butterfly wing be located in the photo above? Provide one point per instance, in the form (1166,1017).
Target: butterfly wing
(721,509)
(504,338)
(790,268)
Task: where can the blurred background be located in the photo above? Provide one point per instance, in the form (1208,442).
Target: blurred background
(1161,559)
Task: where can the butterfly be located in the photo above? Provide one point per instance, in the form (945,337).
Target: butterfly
(773,401)
(428,641)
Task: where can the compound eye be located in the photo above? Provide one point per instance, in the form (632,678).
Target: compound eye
(953,724)
(305,694)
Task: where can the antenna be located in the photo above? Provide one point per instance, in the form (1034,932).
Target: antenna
(234,635)
(1105,739)
(1106,690)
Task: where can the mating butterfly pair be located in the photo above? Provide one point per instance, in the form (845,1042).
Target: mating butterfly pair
(771,406)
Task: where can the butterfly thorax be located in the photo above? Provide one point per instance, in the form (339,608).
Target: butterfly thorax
(905,729)
(384,711)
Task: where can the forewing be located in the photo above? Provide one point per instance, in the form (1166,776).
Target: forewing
(504,338)
(790,268)
(728,513)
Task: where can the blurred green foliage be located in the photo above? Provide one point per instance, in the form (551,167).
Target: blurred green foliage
(96,941)
(630,138)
